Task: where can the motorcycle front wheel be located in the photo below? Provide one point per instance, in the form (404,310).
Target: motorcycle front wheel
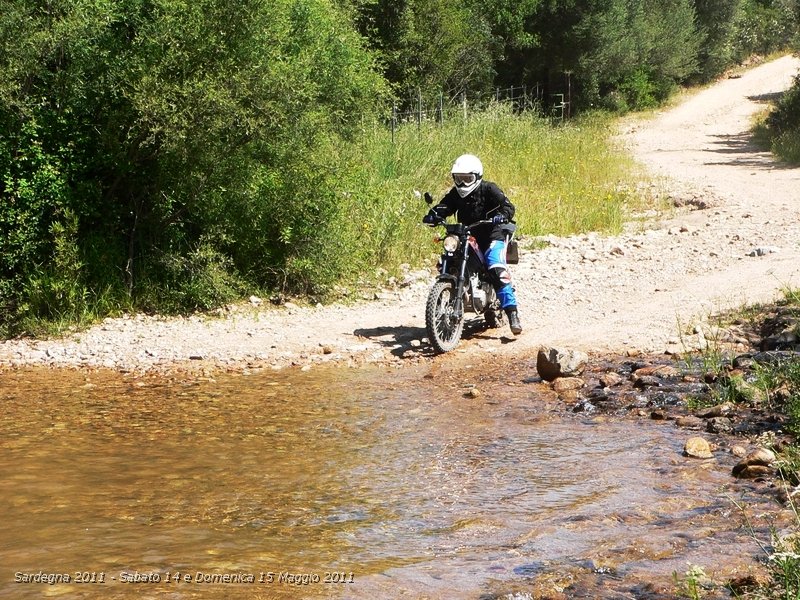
(444,331)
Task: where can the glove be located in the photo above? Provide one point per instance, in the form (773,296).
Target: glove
(431,219)
(499,219)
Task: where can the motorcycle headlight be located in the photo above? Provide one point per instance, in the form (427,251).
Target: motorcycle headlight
(450,243)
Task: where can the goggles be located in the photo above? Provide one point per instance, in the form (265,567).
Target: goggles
(464,179)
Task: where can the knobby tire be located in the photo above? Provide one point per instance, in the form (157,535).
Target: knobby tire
(443,334)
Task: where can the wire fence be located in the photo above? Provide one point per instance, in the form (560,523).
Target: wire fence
(520,98)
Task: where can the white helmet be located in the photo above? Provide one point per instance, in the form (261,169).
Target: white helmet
(467,172)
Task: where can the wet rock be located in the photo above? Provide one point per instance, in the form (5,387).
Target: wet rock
(583,406)
(644,381)
(690,422)
(697,447)
(610,379)
(760,456)
(657,371)
(564,384)
(739,450)
(756,464)
(552,363)
(719,425)
(600,395)
(751,471)
(570,396)
(715,411)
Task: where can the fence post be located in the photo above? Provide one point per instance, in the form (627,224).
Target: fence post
(394,119)
(419,109)
(569,94)
(464,104)
(441,108)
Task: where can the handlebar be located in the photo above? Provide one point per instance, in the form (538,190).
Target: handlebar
(443,223)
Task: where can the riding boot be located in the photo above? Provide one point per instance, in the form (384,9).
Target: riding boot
(513,320)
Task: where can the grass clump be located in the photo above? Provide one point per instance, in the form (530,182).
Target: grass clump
(779,129)
(563,179)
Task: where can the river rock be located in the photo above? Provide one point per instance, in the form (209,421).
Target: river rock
(552,363)
(698,447)
(719,425)
(690,422)
(564,384)
(751,471)
(610,379)
(644,381)
(657,371)
(760,456)
(715,411)
(756,464)
(739,450)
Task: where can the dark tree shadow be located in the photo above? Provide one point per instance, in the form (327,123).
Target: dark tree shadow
(771,97)
(741,150)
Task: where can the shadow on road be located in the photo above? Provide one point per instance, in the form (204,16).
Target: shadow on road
(741,150)
(410,342)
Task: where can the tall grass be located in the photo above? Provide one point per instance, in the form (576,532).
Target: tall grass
(562,178)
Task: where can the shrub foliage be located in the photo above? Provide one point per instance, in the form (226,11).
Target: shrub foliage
(164,153)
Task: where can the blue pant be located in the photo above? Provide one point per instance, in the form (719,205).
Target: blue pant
(496,263)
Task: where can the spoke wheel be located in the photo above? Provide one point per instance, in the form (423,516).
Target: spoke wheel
(444,331)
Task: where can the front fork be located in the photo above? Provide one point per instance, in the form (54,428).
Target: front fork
(458,303)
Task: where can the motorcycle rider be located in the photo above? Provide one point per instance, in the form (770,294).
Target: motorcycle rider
(474,199)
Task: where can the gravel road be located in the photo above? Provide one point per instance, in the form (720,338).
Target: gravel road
(632,293)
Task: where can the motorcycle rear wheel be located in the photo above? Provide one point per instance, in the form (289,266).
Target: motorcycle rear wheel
(493,315)
(444,332)
(493,318)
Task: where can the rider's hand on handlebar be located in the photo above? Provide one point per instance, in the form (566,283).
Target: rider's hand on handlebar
(499,220)
(431,219)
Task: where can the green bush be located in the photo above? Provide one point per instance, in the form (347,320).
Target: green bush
(190,145)
(783,124)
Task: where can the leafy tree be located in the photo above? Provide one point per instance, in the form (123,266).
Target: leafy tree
(429,45)
(171,151)
(631,49)
(764,25)
(716,20)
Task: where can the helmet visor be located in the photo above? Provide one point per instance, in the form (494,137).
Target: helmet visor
(464,179)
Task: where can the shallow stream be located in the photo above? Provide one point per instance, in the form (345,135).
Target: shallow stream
(348,483)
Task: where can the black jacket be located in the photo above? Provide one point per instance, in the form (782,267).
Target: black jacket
(485,201)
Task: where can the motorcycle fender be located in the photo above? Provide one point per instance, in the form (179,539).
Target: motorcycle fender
(447,277)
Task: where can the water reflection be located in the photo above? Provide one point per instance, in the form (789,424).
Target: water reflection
(392,484)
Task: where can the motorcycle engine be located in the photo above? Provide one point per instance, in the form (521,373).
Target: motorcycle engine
(478,295)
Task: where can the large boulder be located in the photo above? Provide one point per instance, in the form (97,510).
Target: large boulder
(552,363)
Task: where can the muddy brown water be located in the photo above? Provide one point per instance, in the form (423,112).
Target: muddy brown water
(349,483)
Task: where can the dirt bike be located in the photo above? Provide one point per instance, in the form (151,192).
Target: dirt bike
(463,285)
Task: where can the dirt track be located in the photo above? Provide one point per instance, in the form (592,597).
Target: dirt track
(632,292)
